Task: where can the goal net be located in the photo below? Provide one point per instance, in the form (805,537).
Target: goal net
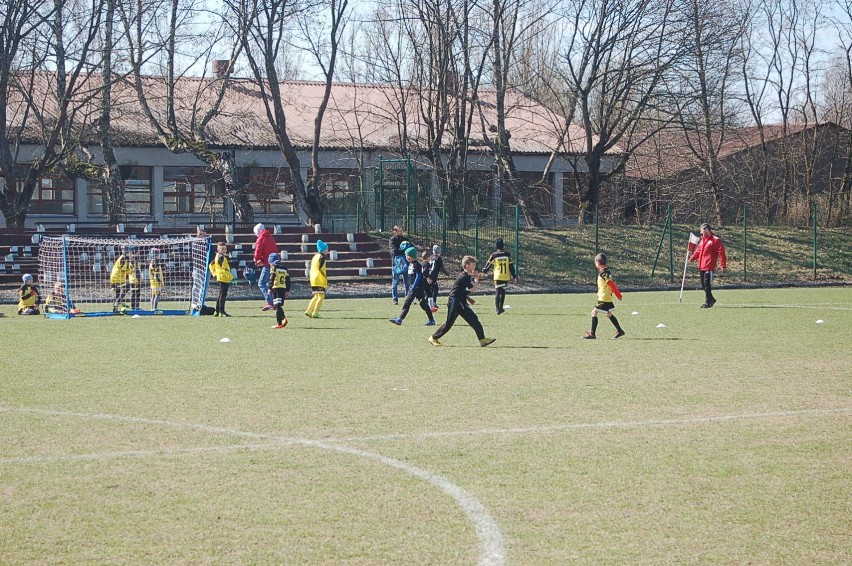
(90,276)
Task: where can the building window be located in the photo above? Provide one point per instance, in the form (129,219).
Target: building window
(137,192)
(53,195)
(269,189)
(190,190)
(341,191)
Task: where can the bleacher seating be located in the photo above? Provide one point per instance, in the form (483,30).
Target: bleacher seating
(354,257)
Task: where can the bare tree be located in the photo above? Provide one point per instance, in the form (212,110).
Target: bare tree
(265,27)
(617,56)
(706,115)
(166,38)
(107,174)
(49,108)
(510,24)
(839,99)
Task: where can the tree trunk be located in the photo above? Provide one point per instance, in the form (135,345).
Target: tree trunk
(589,200)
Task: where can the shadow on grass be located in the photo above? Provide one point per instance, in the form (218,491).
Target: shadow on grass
(661,339)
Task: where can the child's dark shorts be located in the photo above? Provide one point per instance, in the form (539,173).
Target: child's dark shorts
(603,307)
(278,295)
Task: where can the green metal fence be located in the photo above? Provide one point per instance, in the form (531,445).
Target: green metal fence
(463,219)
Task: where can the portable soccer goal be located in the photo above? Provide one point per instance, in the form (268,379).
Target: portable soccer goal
(91,276)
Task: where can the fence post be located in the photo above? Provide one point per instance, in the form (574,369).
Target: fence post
(410,197)
(745,244)
(666,226)
(816,241)
(517,239)
(671,246)
(444,225)
(381,195)
(476,233)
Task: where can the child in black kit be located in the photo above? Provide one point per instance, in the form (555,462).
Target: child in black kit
(436,268)
(418,288)
(457,306)
(279,280)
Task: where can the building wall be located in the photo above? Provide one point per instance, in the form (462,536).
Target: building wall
(157,158)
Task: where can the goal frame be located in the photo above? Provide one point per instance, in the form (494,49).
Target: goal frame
(199,259)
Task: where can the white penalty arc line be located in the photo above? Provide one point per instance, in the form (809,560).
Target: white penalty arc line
(491,547)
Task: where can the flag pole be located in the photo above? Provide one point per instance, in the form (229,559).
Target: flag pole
(683,281)
(690,247)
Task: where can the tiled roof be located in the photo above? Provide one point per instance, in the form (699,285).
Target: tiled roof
(668,152)
(358,115)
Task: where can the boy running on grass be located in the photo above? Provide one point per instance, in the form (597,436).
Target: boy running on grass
(418,289)
(606,289)
(457,305)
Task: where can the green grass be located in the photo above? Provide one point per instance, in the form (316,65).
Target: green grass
(722,438)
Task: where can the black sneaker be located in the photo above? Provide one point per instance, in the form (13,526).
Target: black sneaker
(704,306)
(618,334)
(589,336)
(711,303)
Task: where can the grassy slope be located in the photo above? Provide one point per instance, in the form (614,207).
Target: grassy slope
(774,255)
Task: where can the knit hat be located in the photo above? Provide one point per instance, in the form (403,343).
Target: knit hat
(258,228)
(436,249)
(273,258)
(411,252)
(498,243)
(322,247)
(27,278)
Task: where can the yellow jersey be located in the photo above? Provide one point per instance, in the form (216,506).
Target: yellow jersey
(221,269)
(156,275)
(279,276)
(122,269)
(318,271)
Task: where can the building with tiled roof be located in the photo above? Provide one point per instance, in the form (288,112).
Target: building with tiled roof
(362,125)
(756,167)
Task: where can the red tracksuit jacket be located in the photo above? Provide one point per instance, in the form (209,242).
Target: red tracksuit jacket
(709,252)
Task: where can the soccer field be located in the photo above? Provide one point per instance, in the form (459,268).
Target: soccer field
(724,437)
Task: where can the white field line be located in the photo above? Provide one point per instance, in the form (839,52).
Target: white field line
(599,425)
(490,539)
(825,307)
(491,546)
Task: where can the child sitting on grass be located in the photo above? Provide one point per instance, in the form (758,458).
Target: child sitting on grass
(28,296)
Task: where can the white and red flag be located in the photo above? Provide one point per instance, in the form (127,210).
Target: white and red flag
(693,242)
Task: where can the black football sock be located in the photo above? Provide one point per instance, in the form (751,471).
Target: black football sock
(594,324)
(615,323)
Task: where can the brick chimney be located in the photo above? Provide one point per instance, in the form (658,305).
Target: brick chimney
(220,68)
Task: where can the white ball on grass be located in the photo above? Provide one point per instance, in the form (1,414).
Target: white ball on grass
(223,340)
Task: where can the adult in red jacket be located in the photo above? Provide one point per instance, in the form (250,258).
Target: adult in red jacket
(709,253)
(263,246)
